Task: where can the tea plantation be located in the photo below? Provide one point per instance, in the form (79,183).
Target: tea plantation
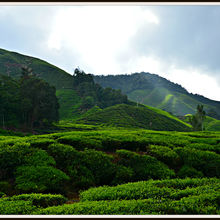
(97,170)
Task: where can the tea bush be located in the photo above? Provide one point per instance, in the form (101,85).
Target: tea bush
(187,171)
(172,189)
(38,157)
(80,143)
(11,157)
(39,179)
(127,207)
(16,207)
(205,161)
(81,177)
(165,154)
(5,187)
(100,164)
(41,143)
(205,147)
(39,200)
(64,155)
(206,203)
(143,166)
(123,175)
(202,204)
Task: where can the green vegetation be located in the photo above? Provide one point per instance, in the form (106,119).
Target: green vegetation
(152,189)
(27,103)
(99,158)
(156,91)
(134,117)
(197,120)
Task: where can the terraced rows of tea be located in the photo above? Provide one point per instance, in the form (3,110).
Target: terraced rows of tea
(110,171)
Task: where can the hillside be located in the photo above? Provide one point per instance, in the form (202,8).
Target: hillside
(127,116)
(11,62)
(156,91)
(76,93)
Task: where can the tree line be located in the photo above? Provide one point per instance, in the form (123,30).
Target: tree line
(28,102)
(93,94)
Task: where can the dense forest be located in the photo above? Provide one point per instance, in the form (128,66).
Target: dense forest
(28,102)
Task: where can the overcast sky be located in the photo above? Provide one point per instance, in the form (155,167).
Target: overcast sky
(180,43)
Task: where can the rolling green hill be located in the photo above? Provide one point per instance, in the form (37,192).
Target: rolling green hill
(128,116)
(156,91)
(76,94)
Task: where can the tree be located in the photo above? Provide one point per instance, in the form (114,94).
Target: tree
(9,102)
(197,120)
(39,101)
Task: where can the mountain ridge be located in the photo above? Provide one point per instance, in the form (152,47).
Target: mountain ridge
(159,92)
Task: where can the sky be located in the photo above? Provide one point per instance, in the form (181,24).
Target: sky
(178,42)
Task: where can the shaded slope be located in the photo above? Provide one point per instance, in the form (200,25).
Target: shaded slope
(156,91)
(10,64)
(123,115)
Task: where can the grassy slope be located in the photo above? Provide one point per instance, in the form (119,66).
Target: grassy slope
(50,73)
(138,117)
(175,102)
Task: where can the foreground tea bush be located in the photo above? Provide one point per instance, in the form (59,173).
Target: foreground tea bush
(165,154)
(202,204)
(16,207)
(127,207)
(39,199)
(205,161)
(173,189)
(144,166)
(39,179)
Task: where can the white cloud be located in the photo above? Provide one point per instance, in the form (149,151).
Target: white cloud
(195,81)
(98,33)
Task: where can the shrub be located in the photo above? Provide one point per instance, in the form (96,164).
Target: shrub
(100,164)
(144,167)
(187,171)
(39,200)
(127,207)
(206,147)
(139,190)
(123,174)
(205,161)
(187,182)
(79,142)
(11,157)
(64,155)
(39,179)
(202,204)
(5,187)
(16,207)
(42,143)
(81,176)
(38,157)
(2,194)
(170,189)
(207,203)
(165,154)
